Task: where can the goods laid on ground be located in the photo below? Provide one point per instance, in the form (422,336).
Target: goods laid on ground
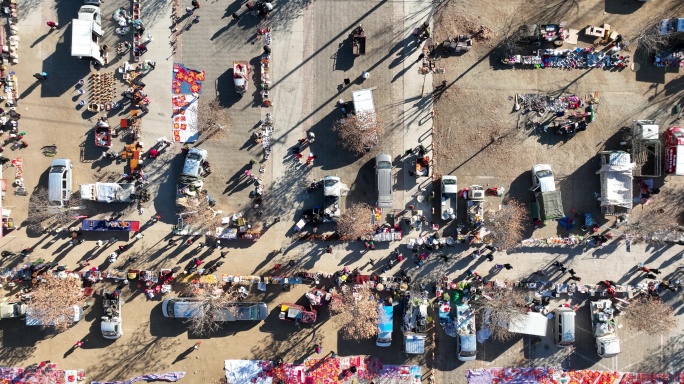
(348,369)
(560,376)
(578,58)
(102,90)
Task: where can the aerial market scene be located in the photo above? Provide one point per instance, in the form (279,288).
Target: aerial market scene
(323,192)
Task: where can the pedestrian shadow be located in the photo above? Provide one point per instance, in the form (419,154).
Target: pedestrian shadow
(183,355)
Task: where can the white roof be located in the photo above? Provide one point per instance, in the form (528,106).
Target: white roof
(617,180)
(532,323)
(82,44)
(363,101)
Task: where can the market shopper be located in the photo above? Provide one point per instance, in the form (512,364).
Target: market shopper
(195,5)
(41,76)
(508,266)
(53,25)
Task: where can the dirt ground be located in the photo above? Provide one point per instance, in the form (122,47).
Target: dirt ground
(482,140)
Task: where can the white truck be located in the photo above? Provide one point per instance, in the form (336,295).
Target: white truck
(108,192)
(531,323)
(86,32)
(111,325)
(364,108)
(449,198)
(465,328)
(604,328)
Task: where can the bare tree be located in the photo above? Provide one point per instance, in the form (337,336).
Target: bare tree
(212,300)
(356,311)
(506,225)
(45,215)
(212,119)
(650,315)
(355,222)
(499,306)
(359,132)
(651,39)
(199,214)
(53,300)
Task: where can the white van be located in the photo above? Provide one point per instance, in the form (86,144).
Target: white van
(182,308)
(32,321)
(192,169)
(59,182)
(383,176)
(564,327)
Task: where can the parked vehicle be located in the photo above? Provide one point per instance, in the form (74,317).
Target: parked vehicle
(617,178)
(564,327)
(297,313)
(465,327)
(108,192)
(241,76)
(531,323)
(385,325)
(457,44)
(192,168)
(549,202)
(415,324)
(645,148)
(33,321)
(103,134)
(476,201)
(86,32)
(59,182)
(112,322)
(448,207)
(383,176)
(188,307)
(604,328)
(672,26)
(358,41)
(9,310)
(243,311)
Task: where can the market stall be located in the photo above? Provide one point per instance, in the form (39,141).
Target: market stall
(616,182)
(104,225)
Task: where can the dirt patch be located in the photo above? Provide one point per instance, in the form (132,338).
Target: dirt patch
(462,24)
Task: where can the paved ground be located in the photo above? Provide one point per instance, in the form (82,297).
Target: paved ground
(309,66)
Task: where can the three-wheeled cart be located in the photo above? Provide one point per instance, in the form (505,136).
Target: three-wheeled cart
(295,312)
(103,134)
(241,76)
(359,41)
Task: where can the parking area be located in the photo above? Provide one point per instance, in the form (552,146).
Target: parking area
(480,137)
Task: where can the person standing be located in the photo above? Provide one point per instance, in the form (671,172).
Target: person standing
(572,272)
(53,25)
(195,5)
(508,266)
(420,57)
(41,76)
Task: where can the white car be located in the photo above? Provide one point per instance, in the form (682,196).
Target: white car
(542,178)
(671,26)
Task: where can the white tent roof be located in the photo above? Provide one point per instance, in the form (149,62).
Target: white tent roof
(617,180)
(82,44)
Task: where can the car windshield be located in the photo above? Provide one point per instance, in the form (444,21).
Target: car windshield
(169,308)
(384,165)
(544,173)
(57,169)
(194,156)
(330,182)
(449,182)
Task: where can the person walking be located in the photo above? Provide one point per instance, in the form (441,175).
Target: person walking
(490,257)
(41,76)
(508,266)
(645,269)
(195,5)
(197,345)
(572,272)
(53,25)
(420,57)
